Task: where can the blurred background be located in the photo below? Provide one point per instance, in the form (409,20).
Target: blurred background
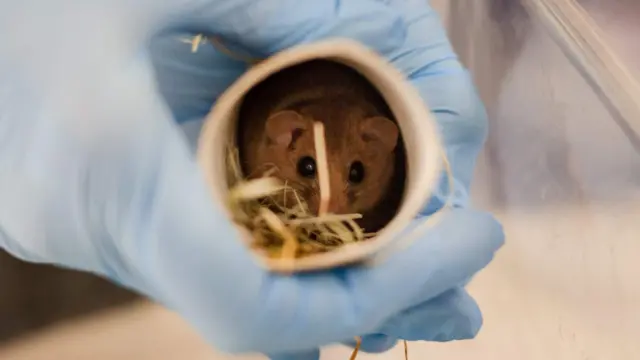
(36,296)
(558,170)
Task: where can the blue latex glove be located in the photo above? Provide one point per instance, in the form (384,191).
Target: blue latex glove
(97,175)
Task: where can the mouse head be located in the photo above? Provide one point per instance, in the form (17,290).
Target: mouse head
(360,154)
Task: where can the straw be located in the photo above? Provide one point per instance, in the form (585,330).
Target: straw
(288,229)
(354,354)
(323,167)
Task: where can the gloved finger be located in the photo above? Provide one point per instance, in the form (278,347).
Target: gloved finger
(447,256)
(191,129)
(190,82)
(374,343)
(434,68)
(454,315)
(267,26)
(431,64)
(320,308)
(300,355)
(108,30)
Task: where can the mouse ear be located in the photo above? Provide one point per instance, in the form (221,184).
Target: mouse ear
(281,126)
(380,129)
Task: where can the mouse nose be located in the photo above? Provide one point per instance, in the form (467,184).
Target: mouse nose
(338,204)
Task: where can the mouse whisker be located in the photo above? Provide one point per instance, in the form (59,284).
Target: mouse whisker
(298,186)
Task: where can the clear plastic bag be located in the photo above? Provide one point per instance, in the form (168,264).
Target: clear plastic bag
(561,170)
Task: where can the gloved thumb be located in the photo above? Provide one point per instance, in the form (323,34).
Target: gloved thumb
(262,27)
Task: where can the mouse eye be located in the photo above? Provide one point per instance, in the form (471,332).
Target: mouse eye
(307,167)
(356,172)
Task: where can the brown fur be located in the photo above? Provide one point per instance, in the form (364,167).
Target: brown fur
(276,130)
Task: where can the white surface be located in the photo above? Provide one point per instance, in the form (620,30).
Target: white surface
(564,182)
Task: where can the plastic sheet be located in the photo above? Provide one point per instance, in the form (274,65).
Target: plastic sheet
(564,177)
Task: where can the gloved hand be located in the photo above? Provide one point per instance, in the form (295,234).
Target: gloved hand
(96,173)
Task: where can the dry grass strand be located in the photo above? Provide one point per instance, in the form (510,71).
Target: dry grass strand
(323,167)
(282,228)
